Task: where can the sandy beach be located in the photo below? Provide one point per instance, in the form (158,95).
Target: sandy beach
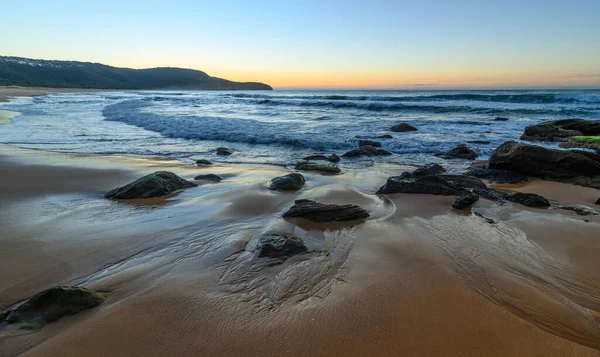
(416,279)
(6,92)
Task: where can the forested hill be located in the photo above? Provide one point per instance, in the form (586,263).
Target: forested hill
(27,72)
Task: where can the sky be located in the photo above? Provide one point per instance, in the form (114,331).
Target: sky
(387,44)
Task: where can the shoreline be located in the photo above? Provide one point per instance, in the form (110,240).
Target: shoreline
(6,92)
(418,278)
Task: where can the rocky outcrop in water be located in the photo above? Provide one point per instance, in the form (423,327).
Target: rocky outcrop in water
(52,304)
(402,127)
(319,212)
(289,182)
(559,130)
(203,162)
(160,183)
(529,200)
(223,151)
(501,119)
(585,142)
(560,165)
(498,176)
(465,201)
(311,166)
(331,158)
(279,247)
(462,151)
(367,150)
(433,185)
(209,177)
(580,210)
(483,142)
(373,143)
(385,136)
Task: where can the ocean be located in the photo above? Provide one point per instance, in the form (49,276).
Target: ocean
(280,127)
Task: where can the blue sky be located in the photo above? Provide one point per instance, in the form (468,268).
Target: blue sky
(375,44)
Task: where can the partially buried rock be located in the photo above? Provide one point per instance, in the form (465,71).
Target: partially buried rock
(529,200)
(280,247)
(334,158)
(498,176)
(462,151)
(289,182)
(466,200)
(52,304)
(385,136)
(580,210)
(319,212)
(331,158)
(310,166)
(493,195)
(598,202)
(376,144)
(465,181)
(223,151)
(403,127)
(203,162)
(433,185)
(367,150)
(209,177)
(160,183)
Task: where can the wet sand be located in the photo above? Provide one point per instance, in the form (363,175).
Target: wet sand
(15,91)
(415,279)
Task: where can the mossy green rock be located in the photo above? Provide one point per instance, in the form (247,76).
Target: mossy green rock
(587,142)
(310,166)
(529,200)
(52,304)
(559,130)
(157,184)
(289,182)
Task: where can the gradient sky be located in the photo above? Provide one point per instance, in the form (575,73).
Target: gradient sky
(323,44)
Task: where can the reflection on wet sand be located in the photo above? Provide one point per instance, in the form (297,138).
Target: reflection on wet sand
(416,278)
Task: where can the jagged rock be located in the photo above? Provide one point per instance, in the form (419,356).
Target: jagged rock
(203,162)
(289,182)
(501,119)
(373,143)
(493,195)
(319,212)
(223,151)
(462,151)
(403,127)
(433,185)
(479,142)
(366,150)
(426,170)
(498,176)
(52,304)
(385,136)
(580,210)
(157,184)
(280,247)
(466,200)
(531,160)
(311,166)
(334,158)
(209,177)
(559,130)
(529,200)
(465,181)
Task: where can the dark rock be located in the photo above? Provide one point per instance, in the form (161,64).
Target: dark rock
(498,176)
(466,200)
(52,304)
(319,212)
(157,184)
(433,185)
(203,162)
(223,151)
(585,142)
(488,220)
(334,158)
(479,164)
(546,163)
(493,195)
(462,151)
(280,247)
(529,200)
(385,136)
(464,181)
(367,150)
(316,158)
(501,119)
(559,130)
(598,202)
(429,169)
(209,177)
(403,127)
(580,210)
(311,166)
(479,142)
(590,155)
(376,144)
(289,182)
